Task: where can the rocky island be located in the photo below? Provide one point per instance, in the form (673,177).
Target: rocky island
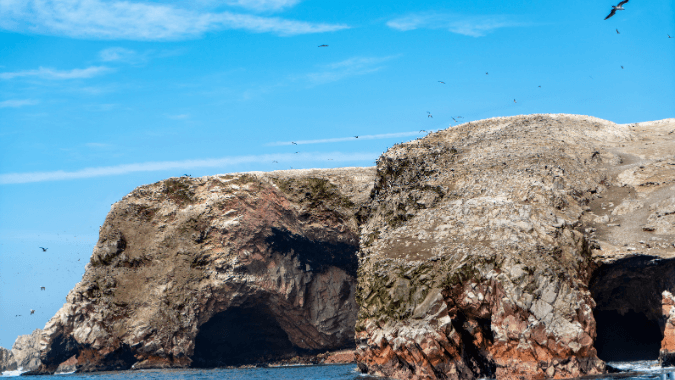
(508,248)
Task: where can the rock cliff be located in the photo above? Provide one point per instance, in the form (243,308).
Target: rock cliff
(24,355)
(482,243)
(216,271)
(512,248)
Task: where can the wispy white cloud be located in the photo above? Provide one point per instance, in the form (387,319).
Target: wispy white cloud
(351,138)
(474,26)
(178,117)
(48,73)
(263,5)
(347,68)
(62,175)
(119,54)
(96,19)
(16,103)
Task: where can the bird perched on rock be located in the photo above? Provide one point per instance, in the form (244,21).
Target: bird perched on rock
(615,8)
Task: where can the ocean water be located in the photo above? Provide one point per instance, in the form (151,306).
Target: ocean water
(637,370)
(314,372)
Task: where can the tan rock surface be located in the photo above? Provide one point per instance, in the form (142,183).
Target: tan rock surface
(214,271)
(477,247)
(24,355)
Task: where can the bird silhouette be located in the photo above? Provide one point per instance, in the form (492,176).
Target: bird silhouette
(356,137)
(486,73)
(514,100)
(275,162)
(32,311)
(429,115)
(669,36)
(617,31)
(622,67)
(455,120)
(324,45)
(422,130)
(615,8)
(42,288)
(294,143)
(43,249)
(441,82)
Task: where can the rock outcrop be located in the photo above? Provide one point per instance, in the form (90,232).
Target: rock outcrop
(24,355)
(216,271)
(512,248)
(480,242)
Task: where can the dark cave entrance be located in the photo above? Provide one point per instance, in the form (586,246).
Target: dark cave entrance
(628,317)
(239,336)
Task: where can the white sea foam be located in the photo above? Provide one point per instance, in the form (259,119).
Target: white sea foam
(18,372)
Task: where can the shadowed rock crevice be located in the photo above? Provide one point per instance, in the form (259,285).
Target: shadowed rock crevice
(628,312)
(627,337)
(241,335)
(316,256)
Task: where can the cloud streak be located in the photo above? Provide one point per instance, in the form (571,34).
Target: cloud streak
(96,19)
(16,103)
(49,73)
(347,68)
(474,26)
(62,175)
(345,139)
(263,5)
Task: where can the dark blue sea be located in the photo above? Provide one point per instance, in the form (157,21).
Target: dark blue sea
(318,372)
(638,370)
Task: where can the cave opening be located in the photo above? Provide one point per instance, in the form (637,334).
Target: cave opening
(239,336)
(628,316)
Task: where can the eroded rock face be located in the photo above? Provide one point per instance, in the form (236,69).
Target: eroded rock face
(24,355)
(478,246)
(215,271)
(667,352)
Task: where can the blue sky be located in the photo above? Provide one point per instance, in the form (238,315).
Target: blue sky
(98,97)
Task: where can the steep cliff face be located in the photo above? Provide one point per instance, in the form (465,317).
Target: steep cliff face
(478,247)
(215,271)
(24,355)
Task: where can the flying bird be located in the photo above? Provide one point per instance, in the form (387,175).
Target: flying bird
(617,31)
(422,130)
(539,86)
(43,249)
(356,137)
(324,45)
(294,143)
(440,81)
(622,67)
(486,73)
(275,162)
(455,120)
(616,8)
(42,288)
(669,36)
(32,311)
(514,100)
(429,115)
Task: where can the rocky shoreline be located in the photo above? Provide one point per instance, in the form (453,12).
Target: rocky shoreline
(508,247)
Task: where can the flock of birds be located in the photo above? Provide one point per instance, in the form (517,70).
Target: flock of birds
(618,7)
(615,8)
